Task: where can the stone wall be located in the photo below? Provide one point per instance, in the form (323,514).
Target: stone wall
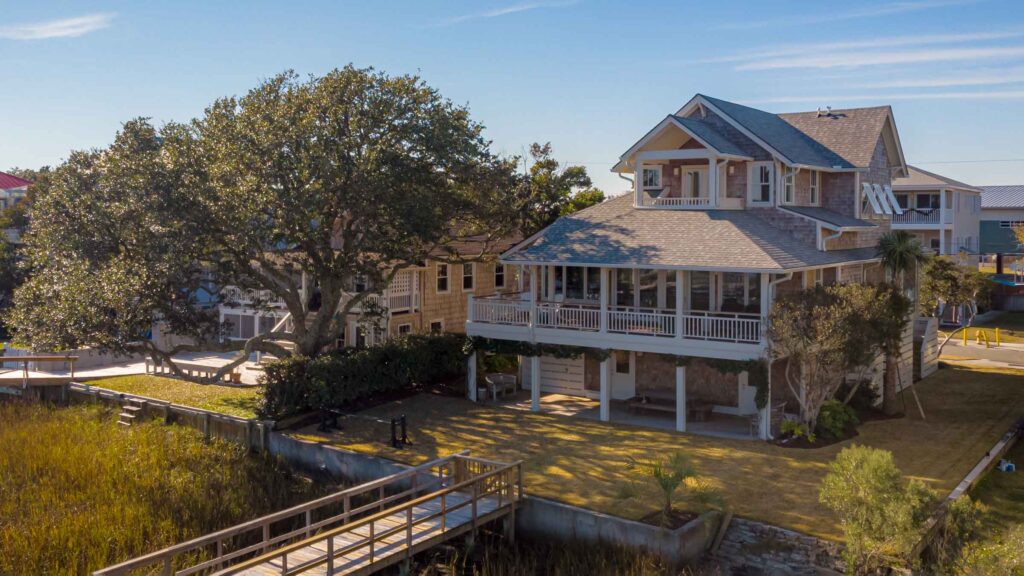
(658,372)
(753,545)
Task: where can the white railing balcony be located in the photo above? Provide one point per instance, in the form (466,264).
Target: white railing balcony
(512,310)
(236,295)
(675,202)
(919,216)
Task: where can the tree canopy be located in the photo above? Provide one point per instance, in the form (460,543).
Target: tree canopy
(555,191)
(355,174)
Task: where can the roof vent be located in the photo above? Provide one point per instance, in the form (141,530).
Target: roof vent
(826,112)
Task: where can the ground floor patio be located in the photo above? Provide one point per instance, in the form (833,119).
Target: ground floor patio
(584,462)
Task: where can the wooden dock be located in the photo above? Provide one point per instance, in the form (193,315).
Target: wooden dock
(356,531)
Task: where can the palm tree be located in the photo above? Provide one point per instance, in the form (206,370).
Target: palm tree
(669,475)
(901,253)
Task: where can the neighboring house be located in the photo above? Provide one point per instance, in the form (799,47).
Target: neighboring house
(1002,211)
(12,191)
(942,212)
(731,206)
(1002,214)
(428,298)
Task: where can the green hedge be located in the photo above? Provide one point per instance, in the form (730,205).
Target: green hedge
(334,380)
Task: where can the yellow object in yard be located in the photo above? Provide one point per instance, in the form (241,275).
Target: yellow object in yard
(997,338)
(982,335)
(965,336)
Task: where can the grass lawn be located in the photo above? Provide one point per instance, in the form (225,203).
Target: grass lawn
(583,462)
(1003,495)
(232,400)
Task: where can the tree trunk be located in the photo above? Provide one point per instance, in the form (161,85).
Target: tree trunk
(889,401)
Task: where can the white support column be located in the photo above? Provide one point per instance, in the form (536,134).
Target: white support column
(471,377)
(534,293)
(535,383)
(606,389)
(638,180)
(469,309)
(605,297)
(766,412)
(942,222)
(713,181)
(681,398)
(679,303)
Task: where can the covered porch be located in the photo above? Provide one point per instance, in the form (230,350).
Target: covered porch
(643,389)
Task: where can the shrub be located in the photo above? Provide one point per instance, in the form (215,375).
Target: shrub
(995,557)
(880,514)
(334,380)
(796,430)
(864,399)
(834,418)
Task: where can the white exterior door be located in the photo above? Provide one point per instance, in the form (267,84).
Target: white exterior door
(623,375)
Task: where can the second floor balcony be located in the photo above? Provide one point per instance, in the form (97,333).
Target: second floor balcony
(923,217)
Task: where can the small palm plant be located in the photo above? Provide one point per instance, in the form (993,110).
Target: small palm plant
(668,475)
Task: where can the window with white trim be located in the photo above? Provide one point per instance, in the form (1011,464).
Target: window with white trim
(437,326)
(761,182)
(789,186)
(815,187)
(499,275)
(652,177)
(442,278)
(404,329)
(467,276)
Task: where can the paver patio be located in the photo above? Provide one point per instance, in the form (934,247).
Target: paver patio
(582,462)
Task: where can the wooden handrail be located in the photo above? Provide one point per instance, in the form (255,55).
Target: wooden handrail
(171,552)
(374,518)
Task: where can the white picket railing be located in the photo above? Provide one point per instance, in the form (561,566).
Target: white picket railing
(571,316)
(647,321)
(696,325)
(676,202)
(923,216)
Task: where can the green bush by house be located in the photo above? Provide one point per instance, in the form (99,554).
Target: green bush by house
(298,384)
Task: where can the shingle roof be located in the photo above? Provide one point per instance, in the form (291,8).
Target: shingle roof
(709,134)
(1002,196)
(789,140)
(8,181)
(851,133)
(615,233)
(923,179)
(830,217)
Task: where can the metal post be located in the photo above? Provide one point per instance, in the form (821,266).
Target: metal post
(405,436)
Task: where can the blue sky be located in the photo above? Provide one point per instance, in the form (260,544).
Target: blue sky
(589,76)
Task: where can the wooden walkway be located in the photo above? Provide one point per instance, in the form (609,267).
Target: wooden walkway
(356,531)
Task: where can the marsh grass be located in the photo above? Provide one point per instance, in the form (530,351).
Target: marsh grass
(78,493)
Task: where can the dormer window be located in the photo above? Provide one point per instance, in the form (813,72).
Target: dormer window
(761,183)
(652,178)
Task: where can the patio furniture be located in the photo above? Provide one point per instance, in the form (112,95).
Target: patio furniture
(499,384)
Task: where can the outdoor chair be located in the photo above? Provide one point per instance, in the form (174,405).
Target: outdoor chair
(499,385)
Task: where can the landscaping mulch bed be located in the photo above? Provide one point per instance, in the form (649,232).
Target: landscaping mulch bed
(677,519)
(872,415)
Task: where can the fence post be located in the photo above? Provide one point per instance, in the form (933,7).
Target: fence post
(206,425)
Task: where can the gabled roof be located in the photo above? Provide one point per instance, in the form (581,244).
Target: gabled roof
(781,136)
(1002,196)
(709,134)
(8,181)
(830,218)
(851,133)
(924,180)
(616,234)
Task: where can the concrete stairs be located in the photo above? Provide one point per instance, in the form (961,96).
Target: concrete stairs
(130,413)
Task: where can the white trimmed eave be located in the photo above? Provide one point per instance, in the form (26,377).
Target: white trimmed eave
(699,100)
(647,265)
(933,188)
(905,170)
(633,154)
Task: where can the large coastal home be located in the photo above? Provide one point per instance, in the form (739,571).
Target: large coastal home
(730,207)
(942,212)
(12,191)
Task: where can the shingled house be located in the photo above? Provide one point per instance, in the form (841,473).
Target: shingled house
(730,207)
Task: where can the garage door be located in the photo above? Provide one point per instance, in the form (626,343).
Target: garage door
(563,375)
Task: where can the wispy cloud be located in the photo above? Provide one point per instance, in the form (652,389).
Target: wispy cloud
(859,58)
(828,99)
(63,28)
(949,80)
(874,43)
(818,16)
(505,11)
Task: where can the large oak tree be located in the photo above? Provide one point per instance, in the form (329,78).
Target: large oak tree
(355,174)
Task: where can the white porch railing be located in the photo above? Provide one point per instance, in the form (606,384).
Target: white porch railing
(696,325)
(675,202)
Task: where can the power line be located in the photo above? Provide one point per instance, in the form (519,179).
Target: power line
(972,161)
